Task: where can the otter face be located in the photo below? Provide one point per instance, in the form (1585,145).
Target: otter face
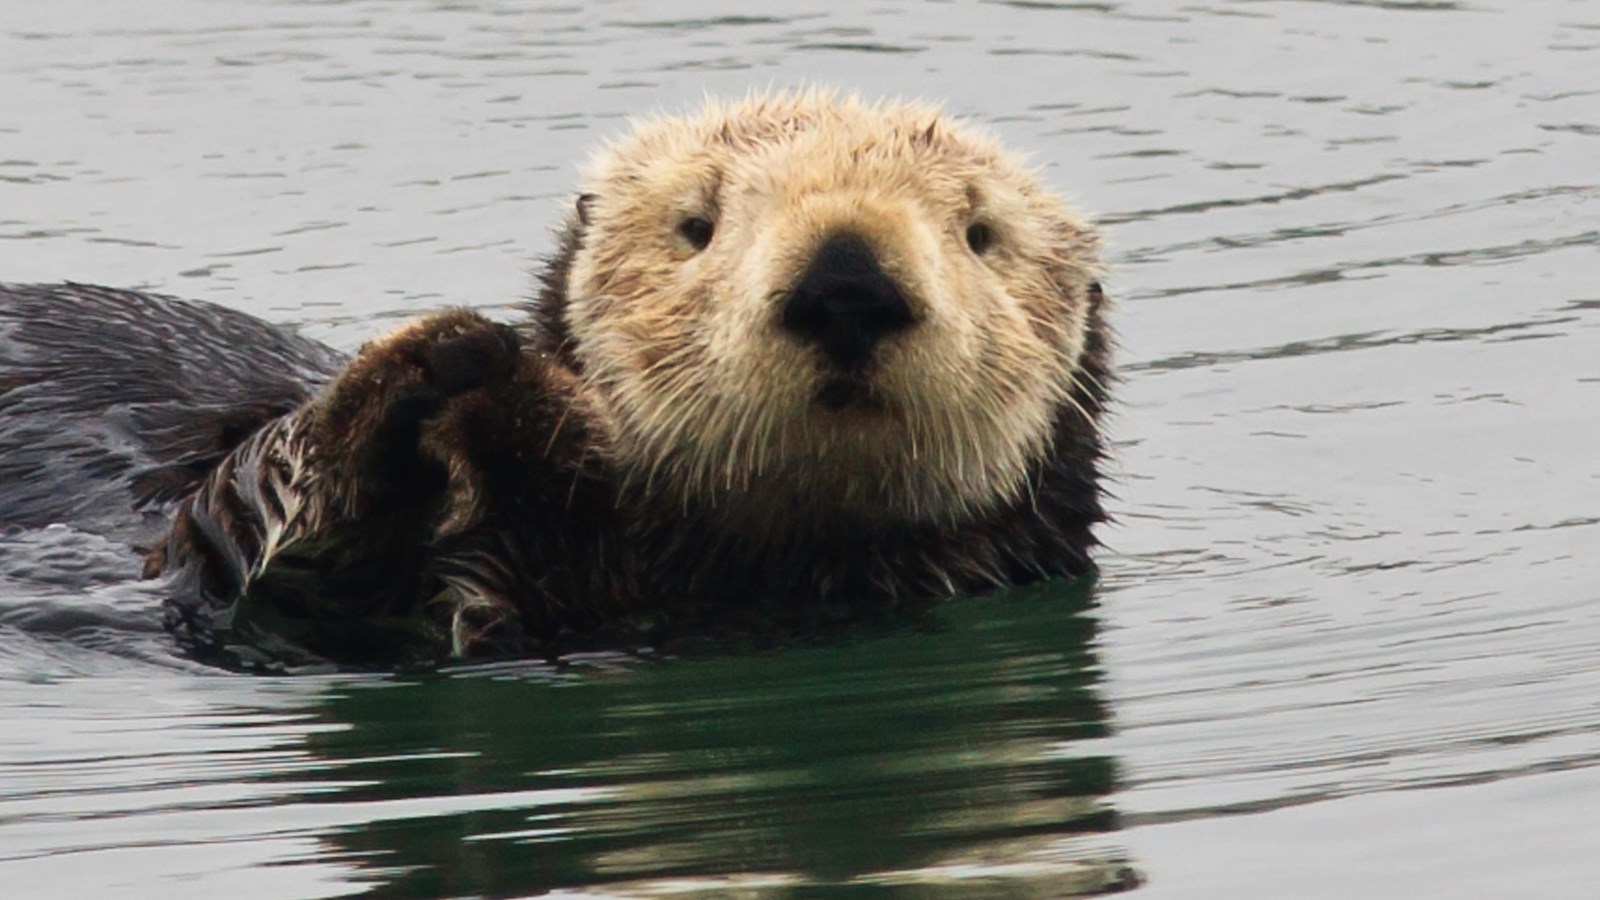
(844,307)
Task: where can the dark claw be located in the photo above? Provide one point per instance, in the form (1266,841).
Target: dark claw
(413,404)
(459,364)
(484,632)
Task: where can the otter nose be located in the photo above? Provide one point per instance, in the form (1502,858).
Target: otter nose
(845,302)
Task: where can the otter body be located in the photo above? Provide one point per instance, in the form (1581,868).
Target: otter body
(795,356)
(116,404)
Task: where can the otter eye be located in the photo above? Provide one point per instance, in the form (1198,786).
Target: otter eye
(980,237)
(696,231)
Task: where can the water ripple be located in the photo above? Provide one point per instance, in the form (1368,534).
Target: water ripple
(1346,633)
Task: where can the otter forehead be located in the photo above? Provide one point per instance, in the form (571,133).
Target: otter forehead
(796,144)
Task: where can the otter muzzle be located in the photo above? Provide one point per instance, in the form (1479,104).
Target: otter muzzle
(845,303)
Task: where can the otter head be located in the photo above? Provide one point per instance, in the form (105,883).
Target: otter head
(840,307)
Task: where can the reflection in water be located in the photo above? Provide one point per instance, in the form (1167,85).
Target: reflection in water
(962,752)
(945,758)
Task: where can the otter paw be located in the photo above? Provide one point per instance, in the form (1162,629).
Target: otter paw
(473,358)
(375,412)
(485,631)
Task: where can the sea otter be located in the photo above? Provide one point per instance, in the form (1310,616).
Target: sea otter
(795,355)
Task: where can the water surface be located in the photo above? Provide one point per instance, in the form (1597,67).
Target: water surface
(1344,642)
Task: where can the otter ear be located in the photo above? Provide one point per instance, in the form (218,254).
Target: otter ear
(923,136)
(1075,246)
(585,201)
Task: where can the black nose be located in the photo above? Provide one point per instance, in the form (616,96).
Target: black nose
(845,302)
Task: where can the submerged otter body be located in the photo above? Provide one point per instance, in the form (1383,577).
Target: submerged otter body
(797,356)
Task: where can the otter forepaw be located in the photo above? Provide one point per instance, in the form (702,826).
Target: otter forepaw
(485,631)
(473,358)
(407,376)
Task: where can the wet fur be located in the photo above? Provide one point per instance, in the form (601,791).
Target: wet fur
(464,489)
(116,404)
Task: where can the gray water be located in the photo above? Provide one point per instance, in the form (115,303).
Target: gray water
(1345,642)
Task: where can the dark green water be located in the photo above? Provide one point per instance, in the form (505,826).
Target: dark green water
(959,754)
(966,744)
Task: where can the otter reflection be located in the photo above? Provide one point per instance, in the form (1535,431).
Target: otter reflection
(956,750)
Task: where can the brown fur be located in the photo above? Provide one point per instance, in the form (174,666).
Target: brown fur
(656,450)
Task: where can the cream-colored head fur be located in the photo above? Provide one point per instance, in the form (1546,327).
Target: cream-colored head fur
(713,400)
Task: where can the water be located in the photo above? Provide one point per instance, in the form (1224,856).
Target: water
(1345,639)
